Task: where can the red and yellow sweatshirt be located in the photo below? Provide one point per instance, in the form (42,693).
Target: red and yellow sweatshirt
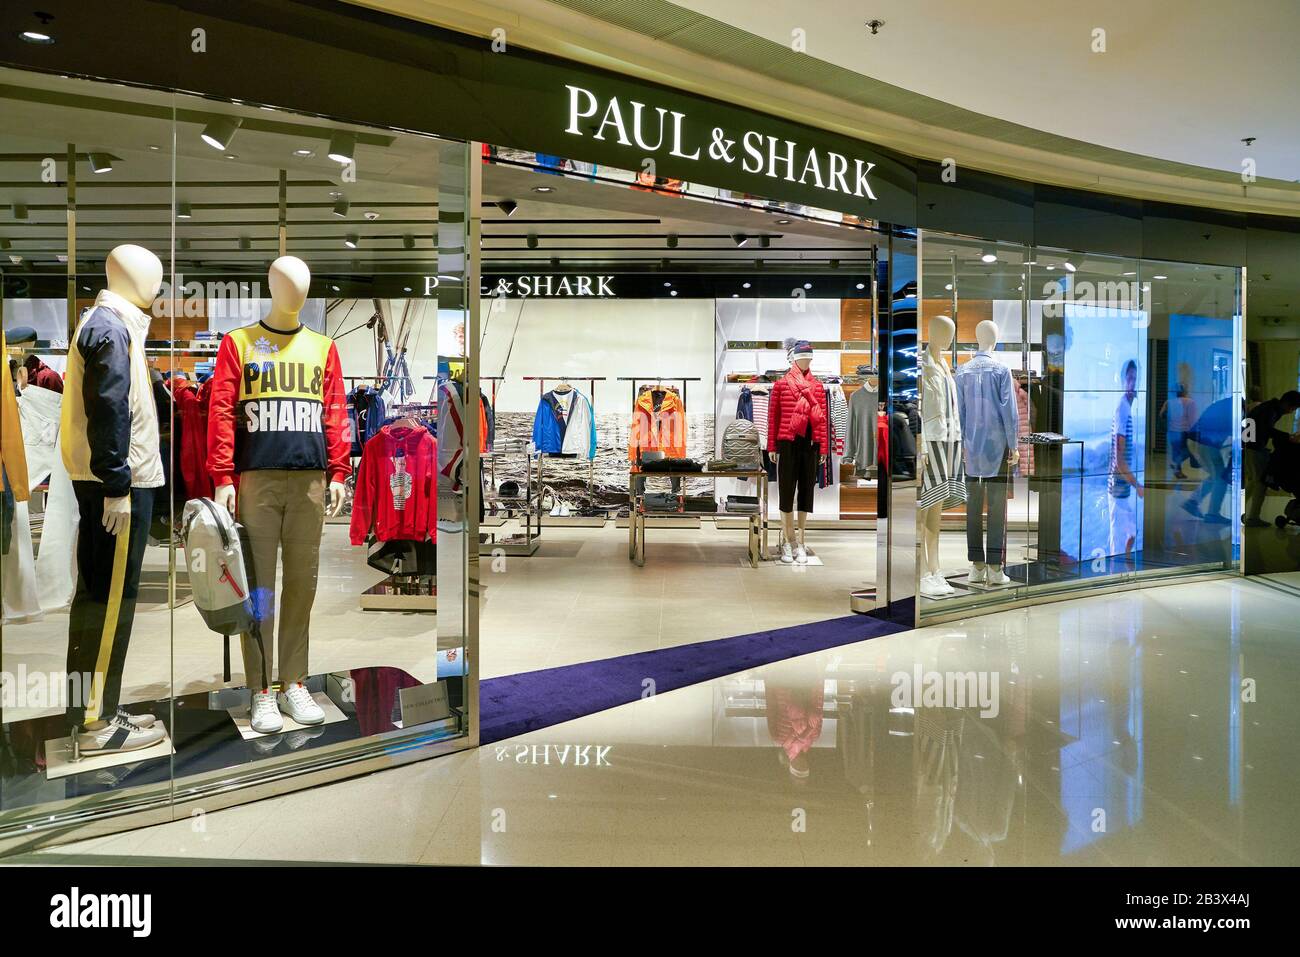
(278,402)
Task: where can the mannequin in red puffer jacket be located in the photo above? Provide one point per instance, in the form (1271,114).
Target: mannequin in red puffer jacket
(798,438)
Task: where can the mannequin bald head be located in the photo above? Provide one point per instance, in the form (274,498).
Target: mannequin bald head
(942,330)
(289,279)
(986,334)
(135,274)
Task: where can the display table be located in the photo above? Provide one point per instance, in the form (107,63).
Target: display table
(636,525)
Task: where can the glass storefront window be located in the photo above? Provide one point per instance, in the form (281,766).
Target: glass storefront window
(270,378)
(1095,401)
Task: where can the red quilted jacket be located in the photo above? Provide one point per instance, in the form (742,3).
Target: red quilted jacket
(787,417)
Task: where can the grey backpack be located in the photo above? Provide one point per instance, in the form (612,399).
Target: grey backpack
(215,560)
(740,444)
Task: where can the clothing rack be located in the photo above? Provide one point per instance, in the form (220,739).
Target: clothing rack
(541,381)
(658,378)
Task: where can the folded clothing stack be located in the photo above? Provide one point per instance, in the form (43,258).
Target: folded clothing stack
(721,465)
(700,503)
(742,503)
(661,502)
(672,465)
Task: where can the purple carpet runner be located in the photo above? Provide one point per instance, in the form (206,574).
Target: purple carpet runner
(515,704)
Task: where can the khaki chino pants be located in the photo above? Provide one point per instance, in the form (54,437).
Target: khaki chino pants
(282,512)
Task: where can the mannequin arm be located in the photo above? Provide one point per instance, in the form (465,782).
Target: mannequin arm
(224,496)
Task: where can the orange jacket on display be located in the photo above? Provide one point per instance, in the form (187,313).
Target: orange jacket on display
(658,430)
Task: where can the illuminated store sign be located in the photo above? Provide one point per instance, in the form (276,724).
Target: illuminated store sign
(555,287)
(630,123)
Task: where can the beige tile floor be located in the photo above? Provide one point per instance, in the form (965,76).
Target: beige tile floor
(1120,738)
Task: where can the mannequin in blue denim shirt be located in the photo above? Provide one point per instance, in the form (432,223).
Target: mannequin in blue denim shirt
(989,423)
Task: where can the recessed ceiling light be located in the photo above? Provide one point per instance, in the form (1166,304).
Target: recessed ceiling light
(370,215)
(543,189)
(335,288)
(948,287)
(232,156)
(1053,268)
(304,152)
(35,36)
(673,292)
(744,285)
(155,147)
(783,222)
(406,289)
(862,285)
(1130,274)
(668,285)
(735,295)
(807,285)
(1159,277)
(220,131)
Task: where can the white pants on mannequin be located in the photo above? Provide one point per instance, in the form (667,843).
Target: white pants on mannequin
(56,565)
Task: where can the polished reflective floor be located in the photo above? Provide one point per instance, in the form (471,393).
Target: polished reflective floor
(1152,727)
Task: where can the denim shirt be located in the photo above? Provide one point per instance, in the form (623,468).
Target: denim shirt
(989,420)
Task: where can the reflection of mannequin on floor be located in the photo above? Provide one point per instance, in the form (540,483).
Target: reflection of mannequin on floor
(108,436)
(798,440)
(278,421)
(942,476)
(990,427)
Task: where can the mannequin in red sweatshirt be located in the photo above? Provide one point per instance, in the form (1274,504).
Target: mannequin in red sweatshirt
(798,440)
(278,423)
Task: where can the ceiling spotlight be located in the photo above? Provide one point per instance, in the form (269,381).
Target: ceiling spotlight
(220,131)
(807,285)
(304,152)
(532,241)
(507,206)
(739,239)
(1159,277)
(184,244)
(183,211)
(835,264)
(20,211)
(245,242)
(543,189)
(154,147)
(862,285)
(668,285)
(232,156)
(100,163)
(672,240)
(673,292)
(342,147)
(744,285)
(341,207)
(42,35)
(370,215)
(1069,266)
(4,244)
(989,255)
(783,222)
(765,242)
(351,240)
(408,242)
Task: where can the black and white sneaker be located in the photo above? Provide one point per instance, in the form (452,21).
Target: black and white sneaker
(139,720)
(117,736)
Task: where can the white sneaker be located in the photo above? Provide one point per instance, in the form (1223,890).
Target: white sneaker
(801,555)
(996,576)
(117,736)
(297,703)
(977,574)
(933,586)
(139,720)
(266,716)
(787,555)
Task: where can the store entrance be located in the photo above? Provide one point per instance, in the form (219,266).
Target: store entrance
(646,437)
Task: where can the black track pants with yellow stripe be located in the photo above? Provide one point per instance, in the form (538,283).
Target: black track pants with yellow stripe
(103,608)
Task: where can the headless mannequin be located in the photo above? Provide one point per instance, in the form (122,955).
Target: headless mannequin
(788,518)
(939,338)
(289,279)
(986,335)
